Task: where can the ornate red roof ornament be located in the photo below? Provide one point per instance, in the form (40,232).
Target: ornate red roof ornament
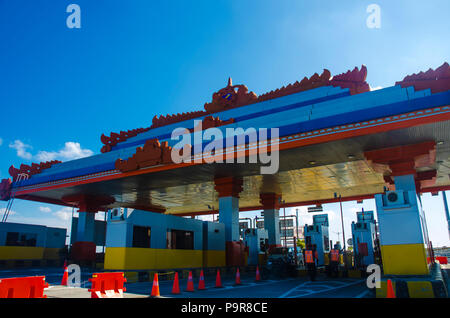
(211,122)
(233,96)
(230,97)
(437,80)
(115,138)
(151,154)
(5,189)
(354,80)
(31,170)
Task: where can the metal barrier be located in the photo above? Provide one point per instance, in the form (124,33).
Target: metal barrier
(23,287)
(107,285)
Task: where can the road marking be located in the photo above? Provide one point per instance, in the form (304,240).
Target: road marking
(320,284)
(364,293)
(291,290)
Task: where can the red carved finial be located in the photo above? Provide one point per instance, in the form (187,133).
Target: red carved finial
(230,81)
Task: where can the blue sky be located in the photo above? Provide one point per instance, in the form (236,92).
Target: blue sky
(62,88)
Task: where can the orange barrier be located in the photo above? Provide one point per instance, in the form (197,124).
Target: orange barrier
(23,287)
(107,285)
(440,259)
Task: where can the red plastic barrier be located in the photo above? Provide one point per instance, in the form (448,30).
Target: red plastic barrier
(442,259)
(23,287)
(107,285)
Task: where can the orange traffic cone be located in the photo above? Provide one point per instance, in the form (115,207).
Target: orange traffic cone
(390,290)
(218,280)
(190,283)
(155,288)
(238,277)
(176,285)
(258,276)
(65,276)
(201,283)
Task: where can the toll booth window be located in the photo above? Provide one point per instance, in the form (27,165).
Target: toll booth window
(141,236)
(180,240)
(21,239)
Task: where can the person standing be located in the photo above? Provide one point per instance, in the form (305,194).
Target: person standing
(310,261)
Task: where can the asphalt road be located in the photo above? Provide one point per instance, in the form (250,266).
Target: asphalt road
(300,287)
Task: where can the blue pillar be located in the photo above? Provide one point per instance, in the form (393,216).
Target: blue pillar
(272,225)
(229,215)
(271,206)
(85,227)
(228,189)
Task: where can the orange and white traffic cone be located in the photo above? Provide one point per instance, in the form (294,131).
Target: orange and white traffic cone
(238,277)
(390,290)
(65,276)
(201,283)
(190,283)
(218,280)
(258,276)
(155,288)
(176,285)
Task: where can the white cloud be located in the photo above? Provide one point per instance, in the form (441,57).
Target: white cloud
(64,214)
(72,150)
(45,209)
(376,88)
(21,149)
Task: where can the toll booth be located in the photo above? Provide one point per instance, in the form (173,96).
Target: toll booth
(364,237)
(404,239)
(26,245)
(317,234)
(141,240)
(255,240)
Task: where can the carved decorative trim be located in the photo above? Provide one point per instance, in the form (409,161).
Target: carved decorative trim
(151,154)
(115,138)
(437,80)
(31,170)
(5,189)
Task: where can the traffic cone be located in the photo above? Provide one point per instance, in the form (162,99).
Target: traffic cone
(65,276)
(176,285)
(218,280)
(390,290)
(258,276)
(190,283)
(238,277)
(201,283)
(155,288)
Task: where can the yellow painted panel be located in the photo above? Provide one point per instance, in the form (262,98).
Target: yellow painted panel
(21,252)
(420,289)
(134,258)
(51,253)
(404,259)
(115,258)
(214,258)
(326,260)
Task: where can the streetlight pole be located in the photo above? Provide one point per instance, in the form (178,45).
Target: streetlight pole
(447,215)
(342,221)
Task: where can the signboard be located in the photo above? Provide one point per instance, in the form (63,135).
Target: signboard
(313,209)
(350,242)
